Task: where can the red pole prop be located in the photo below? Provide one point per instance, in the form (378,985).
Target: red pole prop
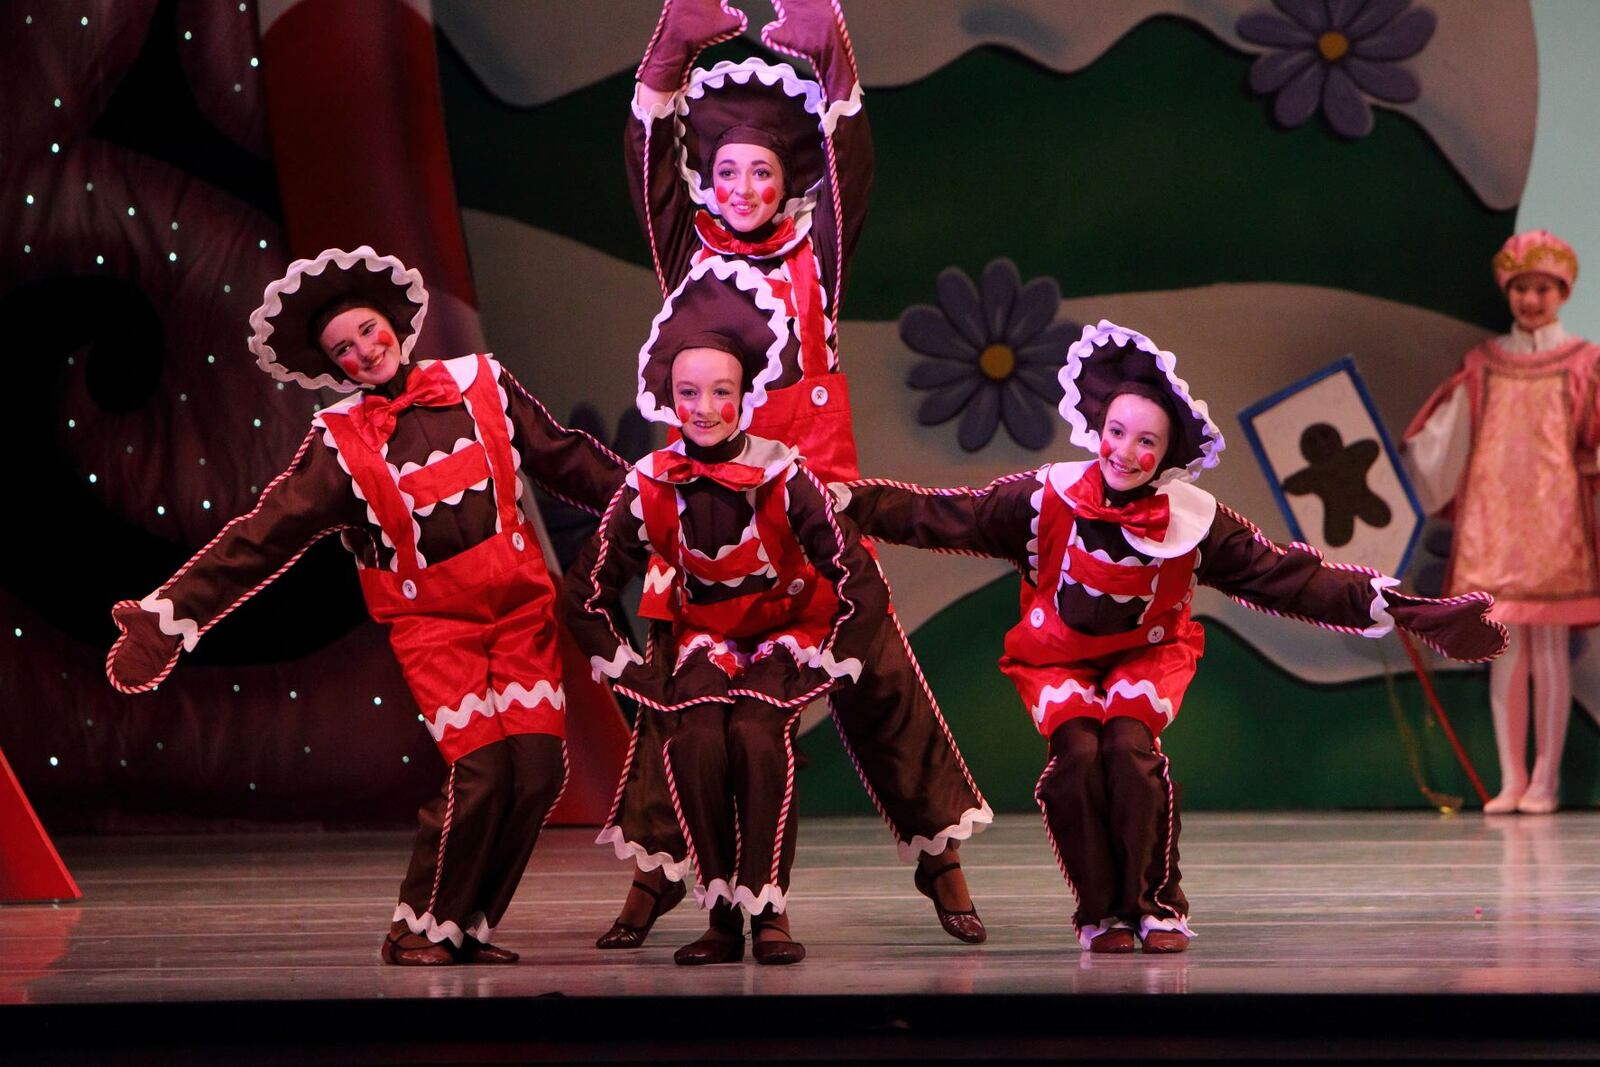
(1438,711)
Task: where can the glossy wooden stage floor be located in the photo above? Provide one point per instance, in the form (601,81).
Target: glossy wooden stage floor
(1342,905)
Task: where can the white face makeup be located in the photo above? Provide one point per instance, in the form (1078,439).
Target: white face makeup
(1535,299)
(747,181)
(361,342)
(705,395)
(1132,441)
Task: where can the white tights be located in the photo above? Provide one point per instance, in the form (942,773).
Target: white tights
(1539,654)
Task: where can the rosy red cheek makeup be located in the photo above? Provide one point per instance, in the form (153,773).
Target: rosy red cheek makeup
(769,195)
(723,193)
(1147,461)
(385,337)
(727,411)
(685,413)
(1105,448)
(350,364)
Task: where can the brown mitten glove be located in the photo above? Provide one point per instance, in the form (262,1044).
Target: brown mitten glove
(685,29)
(142,655)
(1456,627)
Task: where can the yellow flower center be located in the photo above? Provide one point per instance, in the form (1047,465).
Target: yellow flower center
(997,362)
(1333,45)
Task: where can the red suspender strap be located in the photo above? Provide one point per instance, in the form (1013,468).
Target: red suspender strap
(1055,524)
(1114,578)
(370,472)
(488,412)
(809,319)
(777,536)
(660,506)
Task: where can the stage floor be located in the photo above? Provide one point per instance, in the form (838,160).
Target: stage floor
(1375,903)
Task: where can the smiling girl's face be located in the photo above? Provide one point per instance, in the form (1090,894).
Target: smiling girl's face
(361,342)
(1132,441)
(748,183)
(705,395)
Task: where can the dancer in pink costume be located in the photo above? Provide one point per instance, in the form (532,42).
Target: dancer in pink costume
(1517,425)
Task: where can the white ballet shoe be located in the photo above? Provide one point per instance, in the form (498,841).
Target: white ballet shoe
(1507,803)
(1537,803)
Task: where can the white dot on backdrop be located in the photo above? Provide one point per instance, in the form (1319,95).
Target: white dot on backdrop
(55,146)
(72,424)
(58,101)
(202,461)
(84,21)
(280,387)
(252,787)
(28,199)
(238,88)
(405,759)
(88,187)
(100,261)
(262,244)
(129,450)
(92,479)
(28,20)
(227,288)
(174,224)
(421,719)
(123,762)
(172,257)
(18,631)
(294,695)
(377,700)
(160,746)
(161,509)
(88,722)
(27,249)
(211,358)
(236,687)
(254,62)
(205,505)
(256,423)
(308,750)
(130,210)
(54,762)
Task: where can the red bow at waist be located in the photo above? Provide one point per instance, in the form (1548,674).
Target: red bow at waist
(428,387)
(1146,517)
(720,239)
(677,469)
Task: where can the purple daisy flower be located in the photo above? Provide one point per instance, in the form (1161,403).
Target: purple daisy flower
(993,352)
(1331,52)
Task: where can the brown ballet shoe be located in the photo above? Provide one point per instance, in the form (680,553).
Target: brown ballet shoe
(714,946)
(773,951)
(622,935)
(1118,940)
(474,951)
(1164,941)
(431,954)
(961,925)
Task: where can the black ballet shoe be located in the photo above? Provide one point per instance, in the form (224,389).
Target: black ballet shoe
(621,935)
(773,953)
(961,925)
(474,951)
(712,947)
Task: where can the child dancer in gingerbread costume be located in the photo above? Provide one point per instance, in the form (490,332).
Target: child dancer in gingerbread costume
(750,163)
(761,601)
(418,474)
(1110,550)
(1516,426)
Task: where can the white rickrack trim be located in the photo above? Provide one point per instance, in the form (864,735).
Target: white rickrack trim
(479,930)
(1085,436)
(492,703)
(428,926)
(747,279)
(645,860)
(1143,688)
(849,667)
(407,279)
(771,896)
(972,821)
(706,896)
(409,467)
(599,667)
(1059,694)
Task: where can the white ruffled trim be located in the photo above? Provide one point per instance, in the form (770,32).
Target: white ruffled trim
(849,667)
(973,821)
(1211,444)
(675,870)
(599,667)
(1382,621)
(430,927)
(1191,511)
(706,896)
(402,277)
(1179,924)
(492,703)
(841,109)
(755,903)
(1143,688)
(748,279)
(1060,694)
(480,931)
(169,621)
(781,75)
(652,112)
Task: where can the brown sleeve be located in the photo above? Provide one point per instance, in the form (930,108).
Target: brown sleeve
(566,463)
(592,591)
(1238,559)
(834,548)
(308,501)
(660,198)
(996,520)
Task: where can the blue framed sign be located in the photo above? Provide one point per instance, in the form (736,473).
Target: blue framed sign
(1333,470)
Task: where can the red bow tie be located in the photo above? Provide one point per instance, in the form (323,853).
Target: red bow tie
(1146,517)
(428,387)
(720,239)
(677,469)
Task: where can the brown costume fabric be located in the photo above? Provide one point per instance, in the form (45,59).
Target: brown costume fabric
(474,838)
(734,790)
(1112,814)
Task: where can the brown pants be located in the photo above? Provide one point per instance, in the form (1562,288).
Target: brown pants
(475,837)
(731,772)
(894,733)
(1112,815)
